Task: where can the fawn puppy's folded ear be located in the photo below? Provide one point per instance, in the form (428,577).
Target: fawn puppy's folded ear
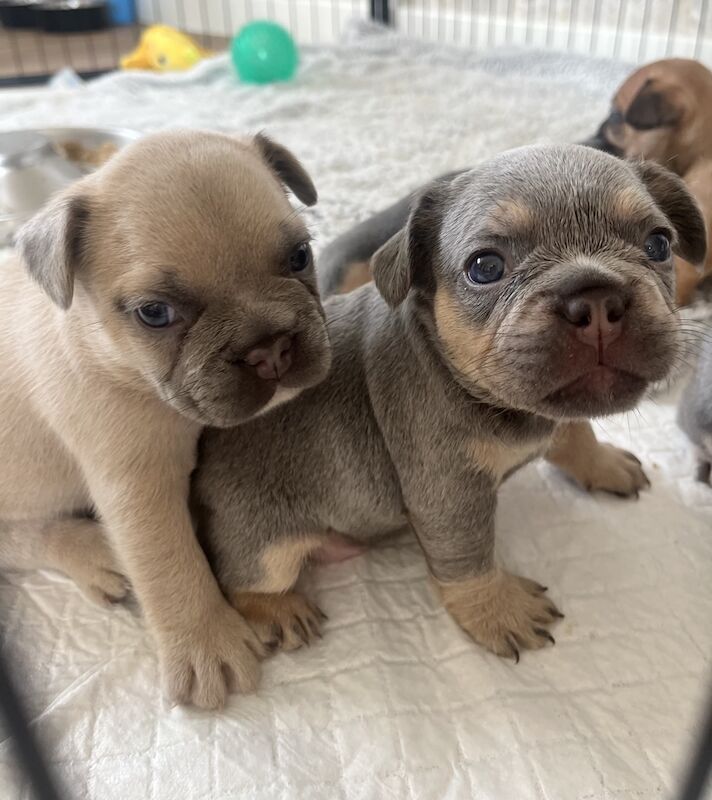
(405,260)
(287,168)
(51,243)
(679,206)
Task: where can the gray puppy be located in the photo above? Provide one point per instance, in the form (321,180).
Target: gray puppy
(522,298)
(695,411)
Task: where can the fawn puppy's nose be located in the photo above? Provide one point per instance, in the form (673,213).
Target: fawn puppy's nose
(597,315)
(271,357)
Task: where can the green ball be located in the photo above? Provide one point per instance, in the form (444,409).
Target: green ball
(263,52)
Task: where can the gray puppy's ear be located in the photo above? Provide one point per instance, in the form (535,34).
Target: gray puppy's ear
(405,260)
(287,168)
(651,108)
(391,268)
(51,244)
(679,206)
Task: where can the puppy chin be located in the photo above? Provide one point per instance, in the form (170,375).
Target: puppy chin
(598,392)
(283,395)
(254,397)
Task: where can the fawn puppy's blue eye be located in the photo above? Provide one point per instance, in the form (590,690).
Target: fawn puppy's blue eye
(300,258)
(657,246)
(156,315)
(485,267)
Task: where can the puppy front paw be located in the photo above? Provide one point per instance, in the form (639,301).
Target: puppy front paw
(218,654)
(286,621)
(502,612)
(612,469)
(81,551)
(595,466)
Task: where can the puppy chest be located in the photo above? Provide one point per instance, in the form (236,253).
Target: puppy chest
(499,459)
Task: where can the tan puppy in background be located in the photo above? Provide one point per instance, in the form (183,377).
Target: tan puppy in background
(663,112)
(170,290)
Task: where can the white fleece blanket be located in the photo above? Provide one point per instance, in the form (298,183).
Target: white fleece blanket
(395,701)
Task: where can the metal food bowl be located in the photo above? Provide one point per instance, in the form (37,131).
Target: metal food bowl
(36,163)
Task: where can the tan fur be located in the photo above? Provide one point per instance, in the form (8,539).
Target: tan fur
(631,201)
(498,459)
(84,418)
(595,465)
(500,611)
(575,450)
(466,348)
(510,216)
(282,562)
(356,274)
(76,547)
(684,146)
(287,620)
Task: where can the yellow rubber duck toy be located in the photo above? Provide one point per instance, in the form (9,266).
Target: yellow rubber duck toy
(164,49)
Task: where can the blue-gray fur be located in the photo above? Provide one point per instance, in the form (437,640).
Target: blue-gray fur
(695,411)
(388,437)
(361,242)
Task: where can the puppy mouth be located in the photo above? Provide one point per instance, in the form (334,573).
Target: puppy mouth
(249,395)
(603,389)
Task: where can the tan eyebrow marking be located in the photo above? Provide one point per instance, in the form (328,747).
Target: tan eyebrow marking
(630,201)
(509,216)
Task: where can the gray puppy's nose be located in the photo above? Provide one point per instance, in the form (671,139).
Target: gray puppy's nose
(597,315)
(271,357)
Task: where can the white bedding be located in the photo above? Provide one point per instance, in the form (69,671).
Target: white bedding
(395,701)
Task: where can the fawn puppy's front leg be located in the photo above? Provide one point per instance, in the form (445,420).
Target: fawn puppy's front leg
(138,472)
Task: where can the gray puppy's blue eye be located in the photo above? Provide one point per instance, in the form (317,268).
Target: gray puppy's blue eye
(657,247)
(156,315)
(485,267)
(301,258)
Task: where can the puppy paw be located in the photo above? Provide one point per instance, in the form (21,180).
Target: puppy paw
(287,621)
(80,550)
(502,612)
(103,586)
(614,470)
(202,664)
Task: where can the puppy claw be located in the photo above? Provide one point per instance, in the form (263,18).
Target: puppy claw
(300,630)
(611,469)
(502,612)
(257,648)
(514,648)
(631,457)
(202,664)
(545,634)
(289,618)
(277,633)
(86,557)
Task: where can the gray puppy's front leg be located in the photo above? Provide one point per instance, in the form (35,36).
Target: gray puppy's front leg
(500,611)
